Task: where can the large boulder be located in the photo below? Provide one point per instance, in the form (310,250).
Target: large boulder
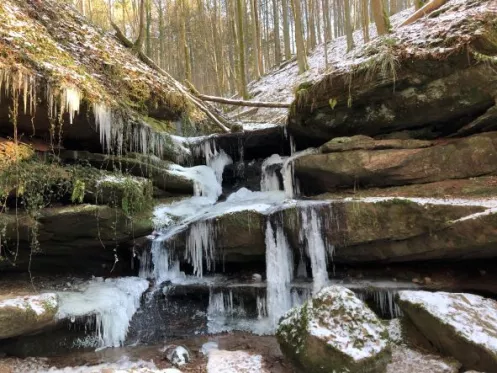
(425,80)
(461,325)
(26,314)
(458,159)
(335,332)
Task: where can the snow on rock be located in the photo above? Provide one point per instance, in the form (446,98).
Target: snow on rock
(221,361)
(335,332)
(405,359)
(461,325)
(26,314)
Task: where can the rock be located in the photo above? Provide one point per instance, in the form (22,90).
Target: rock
(257,278)
(436,78)
(74,236)
(221,361)
(138,165)
(177,355)
(458,159)
(361,142)
(405,359)
(27,314)
(208,347)
(334,331)
(460,325)
(427,281)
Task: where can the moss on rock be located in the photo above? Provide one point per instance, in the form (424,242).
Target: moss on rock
(335,332)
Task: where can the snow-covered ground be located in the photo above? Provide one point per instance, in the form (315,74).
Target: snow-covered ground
(279,84)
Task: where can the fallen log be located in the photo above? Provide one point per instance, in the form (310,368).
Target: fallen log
(426,9)
(227,101)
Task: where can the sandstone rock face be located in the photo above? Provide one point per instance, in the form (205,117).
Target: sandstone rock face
(335,332)
(26,314)
(430,88)
(82,235)
(461,325)
(458,159)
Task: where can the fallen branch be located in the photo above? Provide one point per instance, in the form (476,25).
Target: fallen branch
(228,101)
(145,59)
(426,9)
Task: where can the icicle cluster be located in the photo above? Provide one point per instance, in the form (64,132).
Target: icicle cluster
(19,83)
(113,302)
(279,271)
(200,246)
(311,238)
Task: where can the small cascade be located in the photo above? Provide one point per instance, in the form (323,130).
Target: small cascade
(279,271)
(269,177)
(290,183)
(113,302)
(311,237)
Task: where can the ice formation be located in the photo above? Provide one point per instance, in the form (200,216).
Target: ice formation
(269,177)
(112,301)
(311,237)
(290,183)
(279,271)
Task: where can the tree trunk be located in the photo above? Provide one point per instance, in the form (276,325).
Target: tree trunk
(380,17)
(256,36)
(241,49)
(286,30)
(348,26)
(426,9)
(276,27)
(299,37)
(365,20)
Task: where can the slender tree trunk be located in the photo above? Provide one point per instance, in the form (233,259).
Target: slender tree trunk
(241,49)
(299,37)
(256,39)
(184,44)
(348,26)
(365,20)
(276,27)
(286,30)
(380,17)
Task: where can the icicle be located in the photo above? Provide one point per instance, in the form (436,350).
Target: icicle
(279,272)
(311,237)
(71,98)
(103,121)
(200,245)
(290,184)
(385,300)
(269,177)
(261,307)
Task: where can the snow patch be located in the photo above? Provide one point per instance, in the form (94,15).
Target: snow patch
(221,361)
(39,304)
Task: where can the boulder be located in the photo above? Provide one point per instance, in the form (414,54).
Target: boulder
(424,81)
(458,159)
(335,332)
(26,314)
(460,325)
